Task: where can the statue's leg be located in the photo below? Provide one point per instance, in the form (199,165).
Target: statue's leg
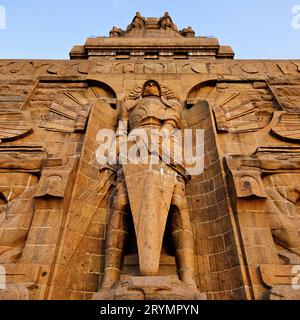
(183,236)
(116,237)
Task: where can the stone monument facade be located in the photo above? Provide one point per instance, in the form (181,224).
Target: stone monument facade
(74,228)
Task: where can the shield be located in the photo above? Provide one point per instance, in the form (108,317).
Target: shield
(150,191)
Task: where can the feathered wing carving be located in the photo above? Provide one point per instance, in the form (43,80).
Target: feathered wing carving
(135,94)
(13,126)
(69,111)
(287,128)
(91,199)
(236,109)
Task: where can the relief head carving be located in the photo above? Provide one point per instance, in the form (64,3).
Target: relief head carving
(151,88)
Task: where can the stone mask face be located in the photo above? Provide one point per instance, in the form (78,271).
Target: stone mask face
(151,89)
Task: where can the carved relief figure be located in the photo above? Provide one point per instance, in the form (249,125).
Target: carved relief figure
(166,22)
(116,32)
(283,208)
(153,193)
(138,22)
(188,32)
(16,213)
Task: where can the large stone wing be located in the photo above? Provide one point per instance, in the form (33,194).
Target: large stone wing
(207,201)
(90,203)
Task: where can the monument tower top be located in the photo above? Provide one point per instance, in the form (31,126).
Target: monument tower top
(152,38)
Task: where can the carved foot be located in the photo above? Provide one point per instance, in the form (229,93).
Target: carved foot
(111,278)
(187,276)
(150,288)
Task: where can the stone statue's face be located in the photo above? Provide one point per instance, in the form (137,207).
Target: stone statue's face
(151,89)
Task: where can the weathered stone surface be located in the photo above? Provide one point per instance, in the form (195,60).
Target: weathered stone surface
(55,181)
(287,128)
(283,281)
(150,288)
(236,233)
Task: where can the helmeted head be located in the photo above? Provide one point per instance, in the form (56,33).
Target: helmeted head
(151,88)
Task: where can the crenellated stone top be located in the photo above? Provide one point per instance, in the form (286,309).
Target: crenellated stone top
(152,39)
(152,28)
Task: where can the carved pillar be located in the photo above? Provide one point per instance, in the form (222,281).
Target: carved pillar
(52,199)
(32,211)
(265,189)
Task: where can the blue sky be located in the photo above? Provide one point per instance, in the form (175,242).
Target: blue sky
(48,29)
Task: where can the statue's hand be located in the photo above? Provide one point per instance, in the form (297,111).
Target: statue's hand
(165,132)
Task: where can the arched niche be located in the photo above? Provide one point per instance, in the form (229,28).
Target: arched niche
(200,92)
(104,92)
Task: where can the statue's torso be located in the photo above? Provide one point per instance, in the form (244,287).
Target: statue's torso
(151,112)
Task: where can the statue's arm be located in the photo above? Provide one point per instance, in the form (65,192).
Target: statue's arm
(173,121)
(122,128)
